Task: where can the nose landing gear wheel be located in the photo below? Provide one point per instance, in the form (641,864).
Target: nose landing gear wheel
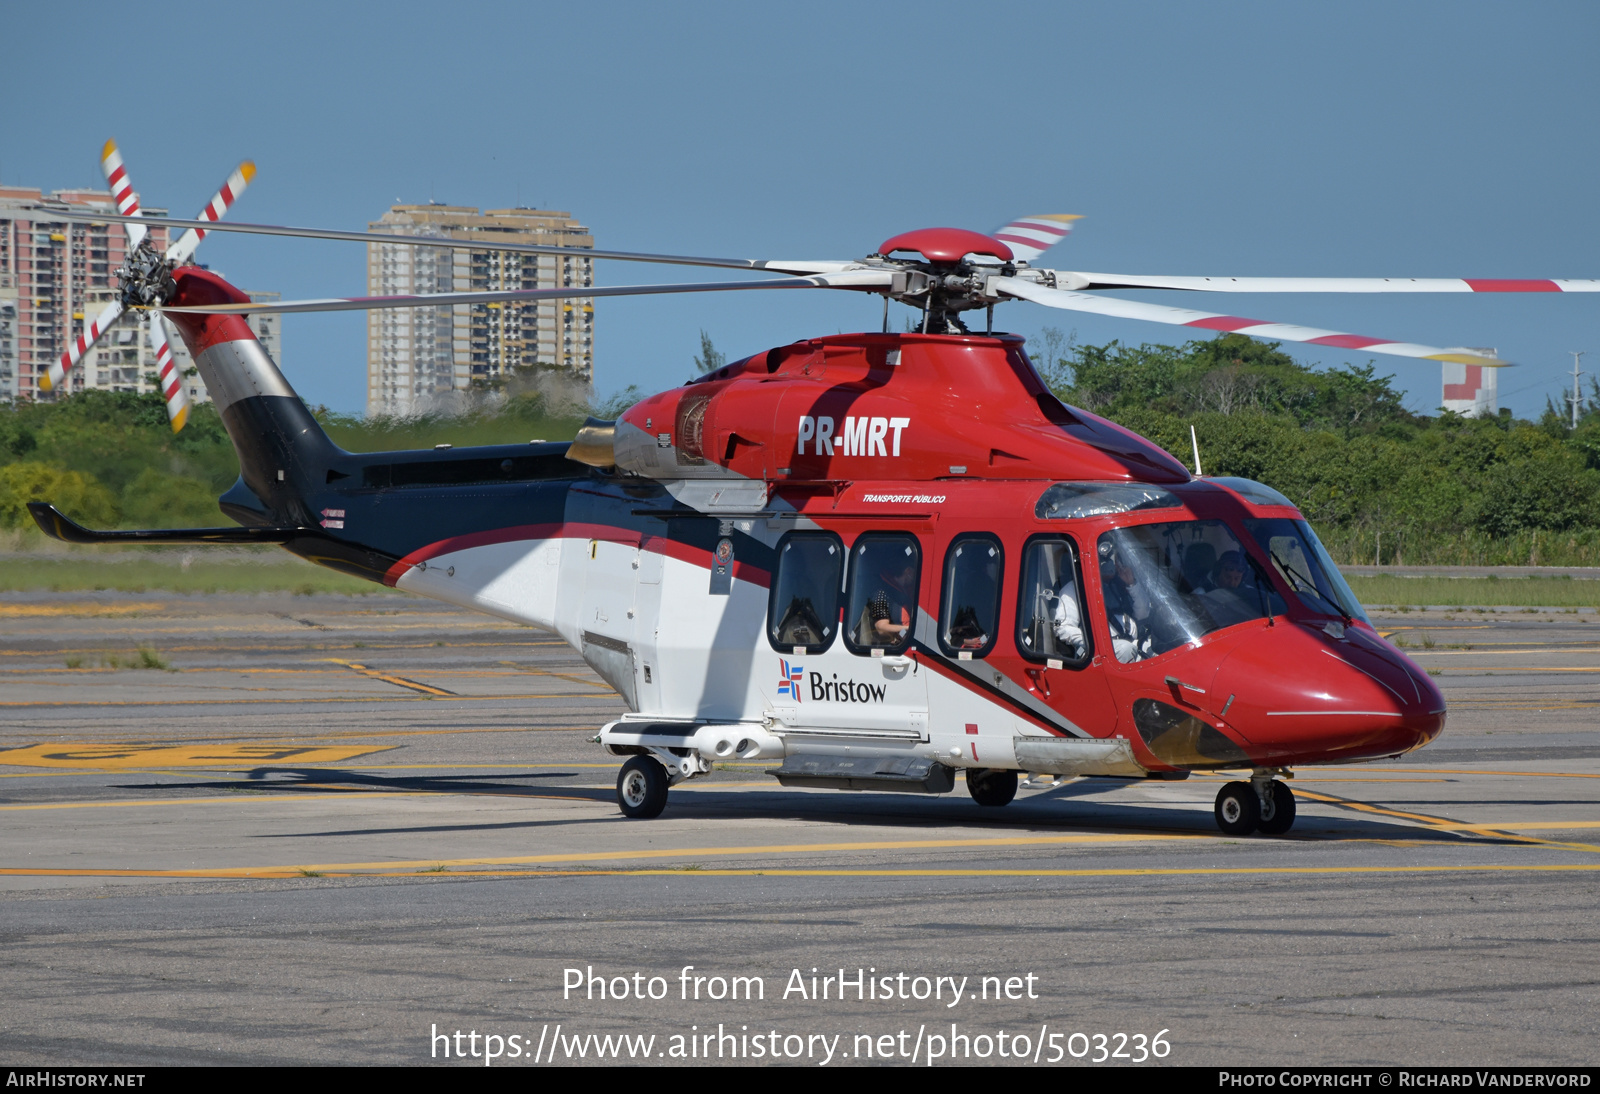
(1281,819)
(1238,809)
(991,786)
(642,788)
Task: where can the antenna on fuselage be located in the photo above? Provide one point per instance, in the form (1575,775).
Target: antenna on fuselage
(1194,439)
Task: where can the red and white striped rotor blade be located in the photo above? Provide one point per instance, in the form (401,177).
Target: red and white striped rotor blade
(1031,236)
(1255,328)
(1327,284)
(55,377)
(122,192)
(180,252)
(170,380)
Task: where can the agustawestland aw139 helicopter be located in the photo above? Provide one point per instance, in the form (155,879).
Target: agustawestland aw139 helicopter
(875,559)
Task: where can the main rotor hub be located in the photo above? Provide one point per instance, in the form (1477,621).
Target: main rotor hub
(951,276)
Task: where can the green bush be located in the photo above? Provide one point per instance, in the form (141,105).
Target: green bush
(75,493)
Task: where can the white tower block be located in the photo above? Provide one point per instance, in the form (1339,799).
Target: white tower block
(1470,390)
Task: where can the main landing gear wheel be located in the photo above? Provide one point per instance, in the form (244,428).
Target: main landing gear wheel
(1238,809)
(991,786)
(642,788)
(1280,818)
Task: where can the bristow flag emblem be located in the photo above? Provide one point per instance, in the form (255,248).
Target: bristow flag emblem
(789,685)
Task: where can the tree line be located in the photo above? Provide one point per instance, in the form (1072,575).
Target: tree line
(1369,474)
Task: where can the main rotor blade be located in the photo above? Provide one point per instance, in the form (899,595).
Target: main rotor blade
(1031,236)
(122,192)
(56,376)
(1255,328)
(799,266)
(225,196)
(1327,284)
(861,280)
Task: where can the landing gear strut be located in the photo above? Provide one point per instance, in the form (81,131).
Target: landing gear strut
(1262,805)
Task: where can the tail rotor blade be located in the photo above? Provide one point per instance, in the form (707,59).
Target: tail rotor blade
(170,380)
(181,251)
(55,379)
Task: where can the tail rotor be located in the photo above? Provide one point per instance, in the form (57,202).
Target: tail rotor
(145,280)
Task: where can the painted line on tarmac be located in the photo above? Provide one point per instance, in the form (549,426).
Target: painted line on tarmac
(1444,824)
(235,799)
(1463,771)
(432,871)
(289,648)
(261,702)
(389,678)
(112,756)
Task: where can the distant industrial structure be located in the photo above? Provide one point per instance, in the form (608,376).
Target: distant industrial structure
(57,275)
(1471,390)
(415,355)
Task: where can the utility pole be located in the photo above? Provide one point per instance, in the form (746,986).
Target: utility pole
(1576,356)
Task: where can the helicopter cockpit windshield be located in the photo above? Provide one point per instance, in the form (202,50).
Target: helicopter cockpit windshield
(1305,567)
(1166,585)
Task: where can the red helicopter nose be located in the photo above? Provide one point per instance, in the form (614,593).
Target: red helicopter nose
(1304,693)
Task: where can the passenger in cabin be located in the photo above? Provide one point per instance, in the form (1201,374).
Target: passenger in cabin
(1127,607)
(1233,597)
(891,606)
(1067,619)
(966,630)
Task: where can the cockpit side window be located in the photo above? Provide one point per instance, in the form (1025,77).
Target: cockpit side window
(881,603)
(1166,585)
(969,618)
(803,610)
(1051,615)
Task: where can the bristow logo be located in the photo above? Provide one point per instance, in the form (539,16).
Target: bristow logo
(845,691)
(861,436)
(789,685)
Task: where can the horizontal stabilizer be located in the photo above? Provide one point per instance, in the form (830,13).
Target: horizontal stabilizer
(53,523)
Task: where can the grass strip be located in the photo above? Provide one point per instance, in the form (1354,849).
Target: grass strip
(83,573)
(1506,592)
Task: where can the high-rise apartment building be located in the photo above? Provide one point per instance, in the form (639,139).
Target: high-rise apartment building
(57,275)
(414,355)
(52,275)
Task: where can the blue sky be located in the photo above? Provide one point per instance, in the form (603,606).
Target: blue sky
(1357,139)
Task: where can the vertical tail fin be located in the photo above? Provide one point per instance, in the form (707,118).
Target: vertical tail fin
(284,455)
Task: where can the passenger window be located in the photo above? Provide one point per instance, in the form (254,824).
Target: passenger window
(881,612)
(1050,608)
(803,611)
(970,615)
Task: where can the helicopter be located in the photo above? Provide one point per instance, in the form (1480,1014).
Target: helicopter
(877,559)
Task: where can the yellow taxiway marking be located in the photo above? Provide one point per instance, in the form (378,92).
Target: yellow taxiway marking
(289,648)
(667,853)
(119,756)
(1442,824)
(1525,826)
(360,734)
(1461,771)
(234,800)
(387,678)
(446,697)
(1517,668)
(19,610)
(431,870)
